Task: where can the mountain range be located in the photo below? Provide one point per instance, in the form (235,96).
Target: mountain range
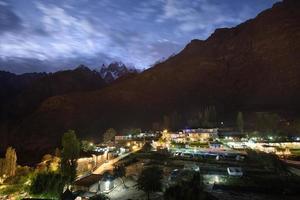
(253,66)
(116,70)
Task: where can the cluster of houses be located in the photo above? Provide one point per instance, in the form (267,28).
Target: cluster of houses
(191,135)
(211,137)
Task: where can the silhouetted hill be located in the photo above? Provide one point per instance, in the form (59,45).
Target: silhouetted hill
(11,85)
(252,66)
(29,90)
(22,94)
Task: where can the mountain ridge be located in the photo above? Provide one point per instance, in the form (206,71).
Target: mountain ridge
(254,65)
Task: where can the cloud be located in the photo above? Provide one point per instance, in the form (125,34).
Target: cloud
(9,21)
(60,34)
(195,15)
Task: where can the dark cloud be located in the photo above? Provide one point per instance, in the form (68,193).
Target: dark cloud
(9,21)
(49,35)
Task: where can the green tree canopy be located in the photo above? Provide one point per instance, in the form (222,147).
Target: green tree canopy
(70,153)
(150,180)
(109,135)
(87,146)
(48,183)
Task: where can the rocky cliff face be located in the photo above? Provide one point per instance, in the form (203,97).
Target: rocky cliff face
(252,66)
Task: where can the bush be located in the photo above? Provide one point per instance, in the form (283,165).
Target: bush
(190,190)
(49,183)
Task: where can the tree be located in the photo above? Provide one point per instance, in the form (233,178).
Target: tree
(50,183)
(2,167)
(109,135)
(240,122)
(166,122)
(191,190)
(207,117)
(57,152)
(87,146)
(176,121)
(150,180)
(120,171)
(267,122)
(268,161)
(49,163)
(10,164)
(147,147)
(70,153)
(132,131)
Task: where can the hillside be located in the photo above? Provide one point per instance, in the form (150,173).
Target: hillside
(254,65)
(22,94)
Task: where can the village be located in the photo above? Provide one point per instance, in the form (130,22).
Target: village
(220,156)
(225,159)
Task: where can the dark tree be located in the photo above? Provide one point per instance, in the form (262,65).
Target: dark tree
(150,180)
(109,135)
(176,121)
(240,122)
(120,172)
(267,122)
(189,190)
(87,146)
(147,147)
(70,153)
(50,183)
(166,122)
(132,131)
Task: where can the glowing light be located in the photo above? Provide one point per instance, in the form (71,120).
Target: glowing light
(217,179)
(107,184)
(270,137)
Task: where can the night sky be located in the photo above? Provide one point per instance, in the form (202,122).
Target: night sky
(50,35)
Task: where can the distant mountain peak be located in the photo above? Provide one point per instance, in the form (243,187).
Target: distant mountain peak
(115,70)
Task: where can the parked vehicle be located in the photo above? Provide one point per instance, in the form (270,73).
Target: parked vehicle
(235,171)
(186,155)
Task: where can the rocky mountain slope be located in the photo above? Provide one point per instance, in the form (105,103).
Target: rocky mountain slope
(254,65)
